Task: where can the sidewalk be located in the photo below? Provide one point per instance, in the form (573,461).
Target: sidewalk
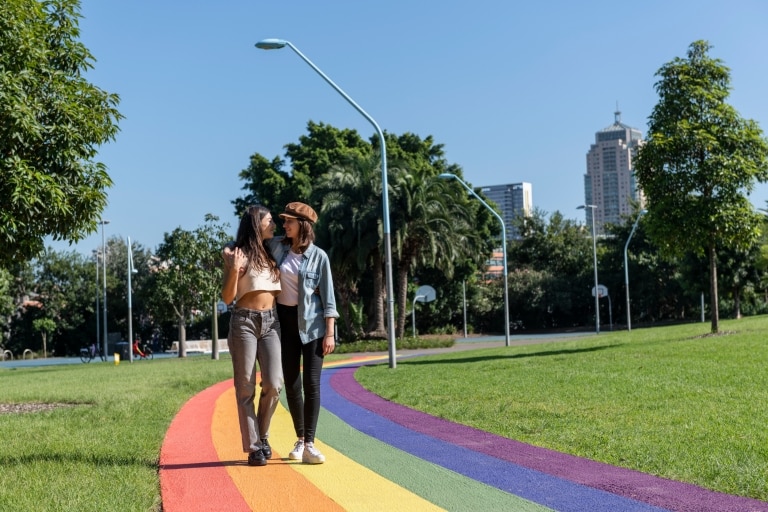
(383,456)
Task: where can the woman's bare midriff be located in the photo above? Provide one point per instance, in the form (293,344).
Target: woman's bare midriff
(259,300)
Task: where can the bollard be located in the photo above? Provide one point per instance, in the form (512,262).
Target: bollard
(117,359)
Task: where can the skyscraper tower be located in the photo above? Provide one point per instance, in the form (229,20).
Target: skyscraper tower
(610,179)
(513,199)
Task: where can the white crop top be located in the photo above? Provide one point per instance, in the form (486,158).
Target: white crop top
(256,280)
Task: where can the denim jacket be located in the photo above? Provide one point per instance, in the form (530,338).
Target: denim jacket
(316,298)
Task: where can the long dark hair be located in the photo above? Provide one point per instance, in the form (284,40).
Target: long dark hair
(249,241)
(306,235)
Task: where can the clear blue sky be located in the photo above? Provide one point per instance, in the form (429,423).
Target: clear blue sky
(515,91)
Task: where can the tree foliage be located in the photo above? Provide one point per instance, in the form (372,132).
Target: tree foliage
(699,164)
(52,121)
(188,273)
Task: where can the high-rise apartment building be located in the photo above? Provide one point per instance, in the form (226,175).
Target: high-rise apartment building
(513,199)
(610,181)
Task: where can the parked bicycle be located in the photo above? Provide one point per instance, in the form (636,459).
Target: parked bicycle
(91,352)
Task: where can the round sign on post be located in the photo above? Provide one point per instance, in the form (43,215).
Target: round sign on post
(425,294)
(602,291)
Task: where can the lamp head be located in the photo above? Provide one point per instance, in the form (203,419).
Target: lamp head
(271,44)
(446,176)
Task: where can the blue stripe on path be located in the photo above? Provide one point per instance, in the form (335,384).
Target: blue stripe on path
(660,492)
(538,487)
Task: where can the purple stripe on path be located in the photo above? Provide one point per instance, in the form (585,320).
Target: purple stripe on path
(535,486)
(657,491)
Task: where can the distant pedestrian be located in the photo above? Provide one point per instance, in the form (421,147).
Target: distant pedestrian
(252,279)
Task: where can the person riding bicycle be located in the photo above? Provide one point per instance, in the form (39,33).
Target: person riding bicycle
(137,348)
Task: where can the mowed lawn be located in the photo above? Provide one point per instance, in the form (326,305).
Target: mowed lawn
(670,401)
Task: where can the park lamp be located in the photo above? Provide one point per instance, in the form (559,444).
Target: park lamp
(449,176)
(626,267)
(104,275)
(276,44)
(131,270)
(594,255)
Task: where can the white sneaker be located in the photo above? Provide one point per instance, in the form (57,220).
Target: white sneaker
(298,450)
(312,455)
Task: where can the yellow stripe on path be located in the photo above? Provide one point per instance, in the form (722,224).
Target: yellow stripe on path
(338,484)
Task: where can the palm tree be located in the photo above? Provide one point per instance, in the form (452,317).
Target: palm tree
(350,194)
(432,227)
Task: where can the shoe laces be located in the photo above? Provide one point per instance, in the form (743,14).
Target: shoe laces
(298,444)
(310,447)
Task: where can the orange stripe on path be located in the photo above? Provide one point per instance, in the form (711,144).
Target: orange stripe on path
(192,478)
(275,487)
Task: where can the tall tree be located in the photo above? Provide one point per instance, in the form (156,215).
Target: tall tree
(350,228)
(699,164)
(269,184)
(187,272)
(52,121)
(64,287)
(434,226)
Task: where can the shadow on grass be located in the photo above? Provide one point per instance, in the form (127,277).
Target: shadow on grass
(77,458)
(543,353)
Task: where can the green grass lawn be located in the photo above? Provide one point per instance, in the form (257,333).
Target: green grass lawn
(665,400)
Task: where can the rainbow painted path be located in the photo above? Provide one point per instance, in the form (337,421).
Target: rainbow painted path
(383,456)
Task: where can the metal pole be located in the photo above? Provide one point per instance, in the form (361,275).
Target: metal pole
(130,313)
(594,254)
(626,266)
(104,275)
(413,312)
(447,175)
(273,44)
(464,296)
(98,313)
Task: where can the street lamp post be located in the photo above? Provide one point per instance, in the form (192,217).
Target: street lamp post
(594,254)
(98,327)
(131,270)
(275,44)
(104,276)
(447,175)
(626,267)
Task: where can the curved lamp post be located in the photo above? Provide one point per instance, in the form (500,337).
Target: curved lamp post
(104,275)
(594,254)
(449,176)
(626,267)
(131,270)
(276,44)
(96,256)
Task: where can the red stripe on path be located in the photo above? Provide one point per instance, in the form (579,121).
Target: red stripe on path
(192,478)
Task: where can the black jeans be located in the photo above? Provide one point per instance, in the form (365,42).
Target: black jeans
(304,409)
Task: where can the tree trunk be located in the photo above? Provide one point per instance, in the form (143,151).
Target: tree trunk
(182,336)
(376,326)
(215,330)
(402,299)
(713,290)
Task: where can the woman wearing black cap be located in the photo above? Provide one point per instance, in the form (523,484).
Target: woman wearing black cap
(306,308)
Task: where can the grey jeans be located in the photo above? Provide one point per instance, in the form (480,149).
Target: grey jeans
(255,335)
